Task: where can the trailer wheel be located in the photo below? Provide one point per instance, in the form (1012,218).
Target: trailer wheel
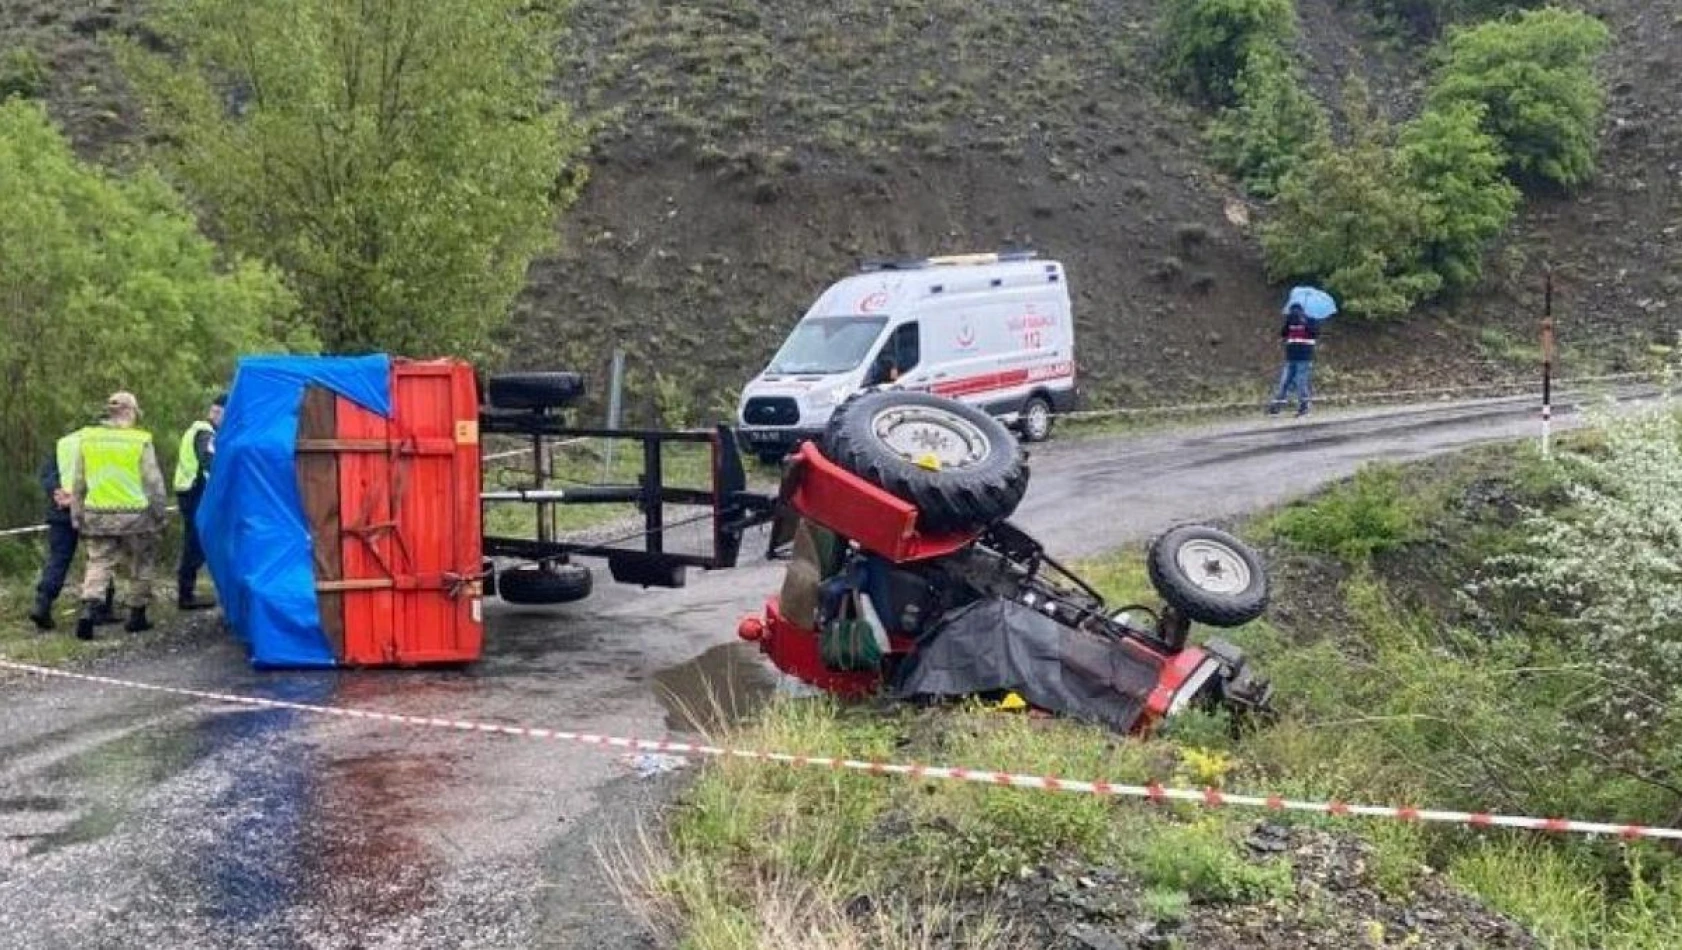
(543,586)
(960,466)
(535,390)
(1209,576)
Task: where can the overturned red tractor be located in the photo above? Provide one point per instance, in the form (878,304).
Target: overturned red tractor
(908,579)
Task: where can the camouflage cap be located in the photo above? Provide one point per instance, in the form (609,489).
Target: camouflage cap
(123,402)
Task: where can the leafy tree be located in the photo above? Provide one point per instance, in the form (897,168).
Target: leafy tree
(1457,168)
(107,284)
(1348,219)
(1209,41)
(401,161)
(1276,125)
(1534,76)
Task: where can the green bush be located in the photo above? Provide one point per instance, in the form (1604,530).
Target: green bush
(1275,127)
(404,194)
(22,73)
(1456,168)
(108,284)
(1534,76)
(1348,220)
(1367,514)
(1208,41)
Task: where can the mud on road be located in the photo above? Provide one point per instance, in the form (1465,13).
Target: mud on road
(130,819)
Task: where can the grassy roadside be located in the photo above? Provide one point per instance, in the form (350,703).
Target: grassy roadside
(1401,679)
(20,566)
(589,463)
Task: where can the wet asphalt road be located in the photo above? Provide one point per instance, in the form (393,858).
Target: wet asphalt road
(129,819)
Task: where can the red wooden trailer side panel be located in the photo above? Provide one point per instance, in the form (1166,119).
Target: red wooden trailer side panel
(409,510)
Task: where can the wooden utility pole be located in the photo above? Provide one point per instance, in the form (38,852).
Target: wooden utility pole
(1547,363)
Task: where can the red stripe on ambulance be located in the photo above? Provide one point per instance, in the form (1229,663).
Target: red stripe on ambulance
(1009,379)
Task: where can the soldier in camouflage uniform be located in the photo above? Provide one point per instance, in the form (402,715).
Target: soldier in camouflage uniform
(118,504)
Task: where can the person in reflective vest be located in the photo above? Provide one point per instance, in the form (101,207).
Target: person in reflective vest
(1300,338)
(56,478)
(192,467)
(117,503)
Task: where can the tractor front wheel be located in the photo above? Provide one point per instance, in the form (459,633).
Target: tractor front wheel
(1209,576)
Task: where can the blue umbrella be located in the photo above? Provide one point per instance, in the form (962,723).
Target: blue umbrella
(1316,303)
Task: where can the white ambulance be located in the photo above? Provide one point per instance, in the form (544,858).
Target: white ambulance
(994,330)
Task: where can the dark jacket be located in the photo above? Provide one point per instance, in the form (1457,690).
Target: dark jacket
(1301,338)
(49,484)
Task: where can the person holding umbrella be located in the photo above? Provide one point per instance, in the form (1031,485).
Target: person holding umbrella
(1304,311)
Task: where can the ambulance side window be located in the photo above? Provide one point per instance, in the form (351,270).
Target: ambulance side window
(899,355)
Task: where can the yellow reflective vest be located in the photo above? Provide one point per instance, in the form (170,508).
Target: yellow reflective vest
(187,460)
(69,454)
(110,462)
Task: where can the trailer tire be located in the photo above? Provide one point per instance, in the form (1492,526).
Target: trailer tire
(545,586)
(970,472)
(535,390)
(1209,576)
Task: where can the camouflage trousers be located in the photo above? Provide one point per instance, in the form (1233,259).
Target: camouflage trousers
(136,554)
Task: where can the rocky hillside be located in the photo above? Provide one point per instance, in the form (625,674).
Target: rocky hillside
(748,152)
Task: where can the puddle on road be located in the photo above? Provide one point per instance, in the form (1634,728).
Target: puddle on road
(717,688)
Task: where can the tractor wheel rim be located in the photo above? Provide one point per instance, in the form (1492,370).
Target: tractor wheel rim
(1214,567)
(1039,420)
(921,434)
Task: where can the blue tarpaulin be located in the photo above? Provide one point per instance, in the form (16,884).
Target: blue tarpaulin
(251,521)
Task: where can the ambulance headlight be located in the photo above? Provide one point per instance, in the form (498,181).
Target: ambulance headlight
(827,396)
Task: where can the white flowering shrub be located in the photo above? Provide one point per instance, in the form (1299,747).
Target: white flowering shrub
(1610,562)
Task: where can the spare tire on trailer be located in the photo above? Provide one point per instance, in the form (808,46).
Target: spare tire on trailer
(538,585)
(1209,576)
(960,466)
(535,390)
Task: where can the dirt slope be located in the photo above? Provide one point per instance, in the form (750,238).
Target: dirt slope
(751,151)
(756,151)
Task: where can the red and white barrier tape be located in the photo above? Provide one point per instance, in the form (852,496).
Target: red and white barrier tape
(1209,797)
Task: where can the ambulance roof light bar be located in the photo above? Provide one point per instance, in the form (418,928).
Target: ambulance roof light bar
(949,260)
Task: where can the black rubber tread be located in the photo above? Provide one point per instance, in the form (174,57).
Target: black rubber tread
(561,584)
(535,390)
(947,501)
(1050,419)
(1191,600)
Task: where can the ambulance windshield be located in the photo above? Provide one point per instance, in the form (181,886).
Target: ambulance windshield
(826,345)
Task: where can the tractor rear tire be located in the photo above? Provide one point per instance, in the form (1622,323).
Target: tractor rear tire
(1209,576)
(535,390)
(960,466)
(545,586)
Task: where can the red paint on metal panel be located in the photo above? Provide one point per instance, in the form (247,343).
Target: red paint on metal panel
(409,510)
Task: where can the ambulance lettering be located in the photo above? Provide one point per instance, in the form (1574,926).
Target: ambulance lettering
(1030,327)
